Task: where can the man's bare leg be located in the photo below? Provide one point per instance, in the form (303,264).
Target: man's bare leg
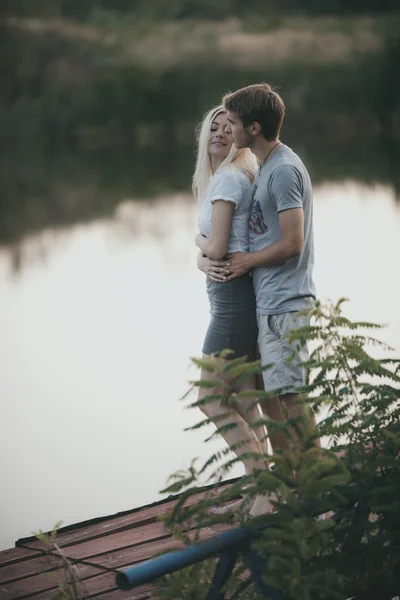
(276,407)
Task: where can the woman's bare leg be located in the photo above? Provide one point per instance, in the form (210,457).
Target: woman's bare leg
(249,411)
(245,437)
(242,439)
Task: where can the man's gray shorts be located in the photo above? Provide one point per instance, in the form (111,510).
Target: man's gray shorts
(274,347)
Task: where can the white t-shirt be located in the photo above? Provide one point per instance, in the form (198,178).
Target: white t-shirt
(231,185)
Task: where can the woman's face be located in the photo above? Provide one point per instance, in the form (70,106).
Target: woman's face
(219,142)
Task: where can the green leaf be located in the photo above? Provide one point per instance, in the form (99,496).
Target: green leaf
(205,364)
(209,383)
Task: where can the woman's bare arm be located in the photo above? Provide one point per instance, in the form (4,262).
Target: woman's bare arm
(216,246)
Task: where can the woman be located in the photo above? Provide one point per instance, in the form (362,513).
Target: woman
(222,185)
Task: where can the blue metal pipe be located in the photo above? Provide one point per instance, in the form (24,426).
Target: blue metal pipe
(153,568)
(229,542)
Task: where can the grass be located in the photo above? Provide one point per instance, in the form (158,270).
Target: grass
(278,40)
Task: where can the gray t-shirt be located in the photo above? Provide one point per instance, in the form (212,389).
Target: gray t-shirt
(283,183)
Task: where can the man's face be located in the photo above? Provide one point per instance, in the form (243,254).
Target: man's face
(241,136)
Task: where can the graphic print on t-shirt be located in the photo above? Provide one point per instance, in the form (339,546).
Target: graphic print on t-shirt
(256,223)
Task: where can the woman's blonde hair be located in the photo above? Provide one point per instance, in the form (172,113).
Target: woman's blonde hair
(241,159)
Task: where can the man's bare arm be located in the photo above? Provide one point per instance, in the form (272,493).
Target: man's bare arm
(291,223)
(291,244)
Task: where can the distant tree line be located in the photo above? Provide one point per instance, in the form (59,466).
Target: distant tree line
(187,9)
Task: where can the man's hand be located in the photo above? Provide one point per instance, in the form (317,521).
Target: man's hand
(238,263)
(216,270)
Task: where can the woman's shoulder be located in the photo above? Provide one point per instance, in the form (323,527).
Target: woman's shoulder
(232,175)
(230,184)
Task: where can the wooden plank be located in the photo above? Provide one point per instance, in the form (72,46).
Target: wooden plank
(132,538)
(92,588)
(26,568)
(142,592)
(24,588)
(117,541)
(40,565)
(42,582)
(105,588)
(132,555)
(15,555)
(100,584)
(139,517)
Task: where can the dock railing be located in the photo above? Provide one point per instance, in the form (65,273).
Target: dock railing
(241,541)
(226,545)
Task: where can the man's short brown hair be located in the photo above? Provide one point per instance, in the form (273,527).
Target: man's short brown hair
(258,103)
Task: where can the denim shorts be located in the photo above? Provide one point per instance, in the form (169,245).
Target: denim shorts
(233,322)
(286,358)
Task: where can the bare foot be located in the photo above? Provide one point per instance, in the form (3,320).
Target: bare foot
(229,509)
(262,505)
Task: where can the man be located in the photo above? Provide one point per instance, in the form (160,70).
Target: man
(281,255)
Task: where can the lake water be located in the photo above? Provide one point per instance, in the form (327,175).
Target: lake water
(98,323)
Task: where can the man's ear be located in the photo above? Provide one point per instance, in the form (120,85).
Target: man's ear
(255,128)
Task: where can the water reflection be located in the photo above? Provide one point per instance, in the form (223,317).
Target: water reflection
(97,330)
(44,189)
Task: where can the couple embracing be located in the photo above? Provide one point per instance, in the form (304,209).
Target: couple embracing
(255,201)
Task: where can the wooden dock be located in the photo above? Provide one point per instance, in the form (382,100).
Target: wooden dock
(98,548)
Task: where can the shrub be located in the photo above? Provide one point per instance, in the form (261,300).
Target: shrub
(356,477)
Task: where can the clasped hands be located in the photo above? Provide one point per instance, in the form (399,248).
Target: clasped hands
(234,265)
